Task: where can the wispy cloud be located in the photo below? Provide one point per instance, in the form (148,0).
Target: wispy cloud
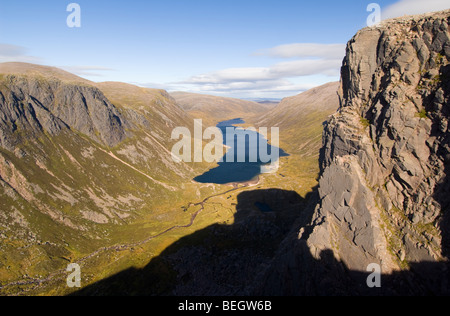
(15,53)
(281,78)
(258,89)
(304,50)
(410,7)
(277,88)
(297,68)
(87,71)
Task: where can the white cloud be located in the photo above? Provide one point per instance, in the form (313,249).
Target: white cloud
(15,53)
(296,68)
(86,71)
(8,50)
(259,89)
(307,67)
(305,50)
(230,75)
(410,7)
(278,80)
(277,88)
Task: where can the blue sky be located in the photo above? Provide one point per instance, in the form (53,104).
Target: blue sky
(238,48)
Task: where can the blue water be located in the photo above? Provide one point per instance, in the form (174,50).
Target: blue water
(233,172)
(263,207)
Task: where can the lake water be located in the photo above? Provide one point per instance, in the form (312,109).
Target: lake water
(263,207)
(233,171)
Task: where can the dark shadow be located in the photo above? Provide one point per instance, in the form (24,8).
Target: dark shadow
(296,272)
(302,275)
(220,260)
(442,192)
(261,255)
(230,170)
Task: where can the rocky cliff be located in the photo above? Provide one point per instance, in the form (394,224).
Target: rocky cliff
(383,193)
(38,104)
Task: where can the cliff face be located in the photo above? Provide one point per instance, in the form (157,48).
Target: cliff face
(390,138)
(51,105)
(383,193)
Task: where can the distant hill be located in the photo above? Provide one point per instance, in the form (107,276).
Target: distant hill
(271,103)
(214,109)
(267,101)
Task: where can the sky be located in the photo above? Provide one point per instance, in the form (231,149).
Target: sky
(237,48)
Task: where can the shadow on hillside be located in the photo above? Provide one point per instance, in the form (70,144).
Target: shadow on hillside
(238,260)
(297,273)
(217,260)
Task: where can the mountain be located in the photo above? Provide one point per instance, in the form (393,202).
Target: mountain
(86,177)
(383,194)
(83,166)
(214,109)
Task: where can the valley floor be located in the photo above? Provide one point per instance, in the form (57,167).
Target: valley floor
(224,223)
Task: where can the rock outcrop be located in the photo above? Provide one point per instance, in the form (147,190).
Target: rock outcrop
(383,194)
(51,105)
